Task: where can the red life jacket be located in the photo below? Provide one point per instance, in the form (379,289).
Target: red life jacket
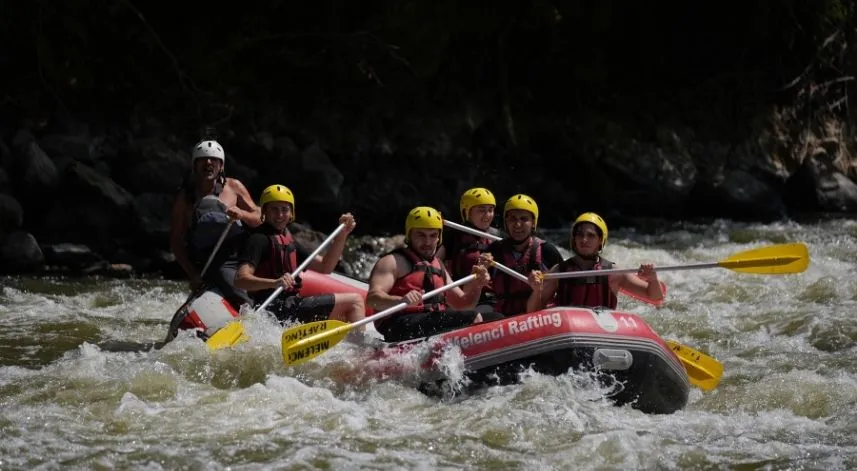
(467,249)
(592,291)
(512,293)
(283,259)
(426,275)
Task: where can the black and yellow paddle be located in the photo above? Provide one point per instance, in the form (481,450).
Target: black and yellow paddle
(305,342)
(303,265)
(233,333)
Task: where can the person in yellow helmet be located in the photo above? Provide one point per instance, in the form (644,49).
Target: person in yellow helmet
(460,251)
(521,251)
(271,254)
(202,209)
(588,239)
(407,272)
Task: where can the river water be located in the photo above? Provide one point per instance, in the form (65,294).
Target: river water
(788,398)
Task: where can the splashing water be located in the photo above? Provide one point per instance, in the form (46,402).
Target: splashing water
(786,401)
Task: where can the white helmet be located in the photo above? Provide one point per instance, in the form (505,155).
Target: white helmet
(208,149)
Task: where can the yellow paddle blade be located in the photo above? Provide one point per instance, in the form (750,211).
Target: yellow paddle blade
(771,260)
(310,347)
(230,335)
(703,371)
(292,335)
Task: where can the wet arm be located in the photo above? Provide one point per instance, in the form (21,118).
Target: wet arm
(249,213)
(327,263)
(246,279)
(381,281)
(251,256)
(642,288)
(539,299)
(463,298)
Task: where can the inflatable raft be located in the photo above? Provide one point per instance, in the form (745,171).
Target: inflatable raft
(620,348)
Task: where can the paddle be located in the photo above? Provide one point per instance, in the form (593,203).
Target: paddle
(470,230)
(233,332)
(227,336)
(777,259)
(179,315)
(519,276)
(216,247)
(303,265)
(299,348)
(703,371)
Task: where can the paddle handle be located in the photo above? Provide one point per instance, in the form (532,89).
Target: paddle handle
(303,265)
(478,233)
(400,306)
(510,272)
(619,271)
(470,230)
(216,247)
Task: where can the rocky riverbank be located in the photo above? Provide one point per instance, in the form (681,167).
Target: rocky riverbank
(85,202)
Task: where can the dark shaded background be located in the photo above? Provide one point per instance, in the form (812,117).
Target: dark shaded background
(666,109)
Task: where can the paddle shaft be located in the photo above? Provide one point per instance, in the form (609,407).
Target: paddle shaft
(749,262)
(478,233)
(178,317)
(216,247)
(471,230)
(400,306)
(581,274)
(303,265)
(619,271)
(510,272)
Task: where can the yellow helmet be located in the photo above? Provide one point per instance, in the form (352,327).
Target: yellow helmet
(593,219)
(423,217)
(475,197)
(523,202)
(278,193)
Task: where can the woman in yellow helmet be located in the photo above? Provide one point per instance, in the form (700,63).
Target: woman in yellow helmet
(406,273)
(270,255)
(460,250)
(588,238)
(521,251)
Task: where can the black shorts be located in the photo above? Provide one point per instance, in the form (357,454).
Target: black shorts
(424,324)
(303,310)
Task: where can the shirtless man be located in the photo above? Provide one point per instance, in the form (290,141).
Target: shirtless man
(202,209)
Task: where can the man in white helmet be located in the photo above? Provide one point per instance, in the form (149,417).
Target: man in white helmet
(203,207)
